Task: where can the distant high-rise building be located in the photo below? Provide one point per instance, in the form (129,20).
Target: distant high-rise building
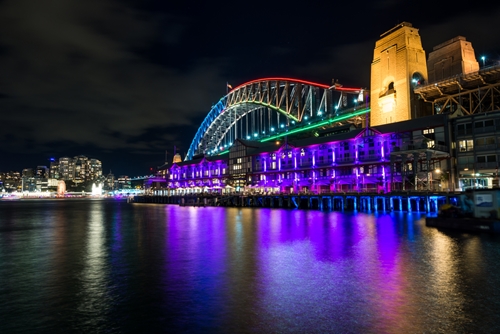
(11,181)
(81,163)
(54,170)
(78,169)
(66,168)
(109,183)
(42,172)
(28,180)
(95,169)
(28,172)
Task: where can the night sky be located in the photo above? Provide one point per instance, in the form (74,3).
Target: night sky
(125,81)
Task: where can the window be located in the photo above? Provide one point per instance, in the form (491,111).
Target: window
(466,145)
(464,129)
(427,131)
(486,158)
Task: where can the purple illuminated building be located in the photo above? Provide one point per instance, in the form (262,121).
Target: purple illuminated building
(370,159)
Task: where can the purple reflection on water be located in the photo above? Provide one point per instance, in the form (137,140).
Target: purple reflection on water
(310,260)
(195,265)
(117,231)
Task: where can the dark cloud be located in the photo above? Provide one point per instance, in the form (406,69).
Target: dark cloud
(127,80)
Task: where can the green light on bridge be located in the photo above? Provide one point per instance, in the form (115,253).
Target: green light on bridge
(312,126)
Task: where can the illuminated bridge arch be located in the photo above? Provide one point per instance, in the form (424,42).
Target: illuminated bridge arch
(265,108)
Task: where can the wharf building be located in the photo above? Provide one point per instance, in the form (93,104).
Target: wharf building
(433,125)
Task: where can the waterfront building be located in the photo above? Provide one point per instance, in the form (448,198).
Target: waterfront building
(123,182)
(477,150)
(201,174)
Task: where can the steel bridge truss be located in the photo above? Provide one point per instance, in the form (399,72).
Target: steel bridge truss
(265,107)
(469,93)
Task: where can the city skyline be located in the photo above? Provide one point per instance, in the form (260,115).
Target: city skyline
(129,82)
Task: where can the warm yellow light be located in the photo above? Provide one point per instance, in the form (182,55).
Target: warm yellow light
(438,170)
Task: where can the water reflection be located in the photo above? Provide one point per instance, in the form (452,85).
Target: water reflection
(94,299)
(114,267)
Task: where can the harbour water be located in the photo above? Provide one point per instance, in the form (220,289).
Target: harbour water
(108,266)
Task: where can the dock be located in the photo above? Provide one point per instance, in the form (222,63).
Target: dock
(424,202)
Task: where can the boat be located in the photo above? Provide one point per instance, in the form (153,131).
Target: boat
(478,211)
